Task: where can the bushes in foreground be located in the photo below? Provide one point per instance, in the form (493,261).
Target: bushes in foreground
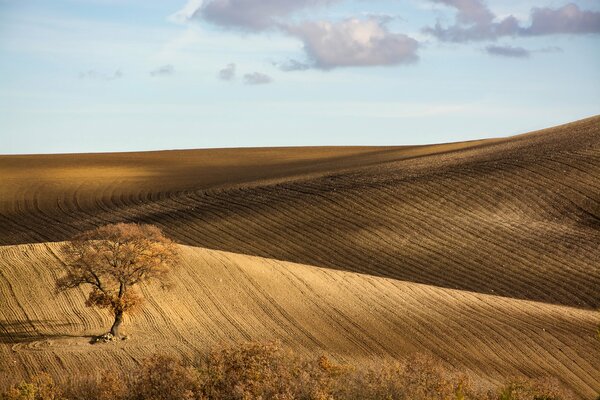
(267,371)
(41,387)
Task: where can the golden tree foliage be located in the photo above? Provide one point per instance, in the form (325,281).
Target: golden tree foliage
(113,260)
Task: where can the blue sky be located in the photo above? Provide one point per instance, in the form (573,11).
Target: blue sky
(120,75)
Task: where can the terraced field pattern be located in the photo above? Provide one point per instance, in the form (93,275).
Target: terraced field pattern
(485,254)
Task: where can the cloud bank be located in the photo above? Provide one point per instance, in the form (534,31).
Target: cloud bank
(253,15)
(474,22)
(567,19)
(368,41)
(469,11)
(355,42)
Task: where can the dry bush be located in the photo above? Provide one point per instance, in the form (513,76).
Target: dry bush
(268,372)
(157,378)
(256,371)
(534,389)
(106,385)
(252,370)
(41,387)
(112,386)
(426,378)
(419,377)
(165,378)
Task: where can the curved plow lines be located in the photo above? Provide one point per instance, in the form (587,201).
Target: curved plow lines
(222,298)
(500,220)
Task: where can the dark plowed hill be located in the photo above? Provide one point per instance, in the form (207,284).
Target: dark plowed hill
(518,217)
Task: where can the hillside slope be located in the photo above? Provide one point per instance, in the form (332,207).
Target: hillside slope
(54,182)
(224,298)
(518,217)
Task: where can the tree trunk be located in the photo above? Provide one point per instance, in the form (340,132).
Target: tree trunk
(114,330)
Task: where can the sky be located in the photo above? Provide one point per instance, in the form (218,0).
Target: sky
(123,75)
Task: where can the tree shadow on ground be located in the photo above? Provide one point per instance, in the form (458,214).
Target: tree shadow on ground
(13,332)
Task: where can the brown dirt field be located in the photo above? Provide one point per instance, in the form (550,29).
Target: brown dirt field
(485,253)
(224,298)
(518,217)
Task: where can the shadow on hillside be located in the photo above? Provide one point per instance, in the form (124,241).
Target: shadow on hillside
(13,332)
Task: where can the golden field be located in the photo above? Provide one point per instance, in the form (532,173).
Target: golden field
(485,254)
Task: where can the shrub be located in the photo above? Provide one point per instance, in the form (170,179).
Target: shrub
(111,386)
(420,377)
(165,378)
(268,372)
(253,370)
(537,389)
(42,387)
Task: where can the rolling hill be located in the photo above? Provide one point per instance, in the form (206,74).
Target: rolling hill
(484,253)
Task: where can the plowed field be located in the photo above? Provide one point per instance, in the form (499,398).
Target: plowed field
(486,254)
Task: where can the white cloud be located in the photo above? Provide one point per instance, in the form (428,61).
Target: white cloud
(187,12)
(362,41)
(354,42)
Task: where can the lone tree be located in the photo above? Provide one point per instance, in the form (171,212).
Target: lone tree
(113,260)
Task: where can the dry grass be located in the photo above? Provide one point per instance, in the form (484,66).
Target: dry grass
(485,254)
(266,371)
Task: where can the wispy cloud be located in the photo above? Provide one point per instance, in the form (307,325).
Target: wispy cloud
(227,73)
(551,49)
(292,65)
(257,78)
(101,75)
(519,52)
(187,12)
(508,51)
(164,70)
